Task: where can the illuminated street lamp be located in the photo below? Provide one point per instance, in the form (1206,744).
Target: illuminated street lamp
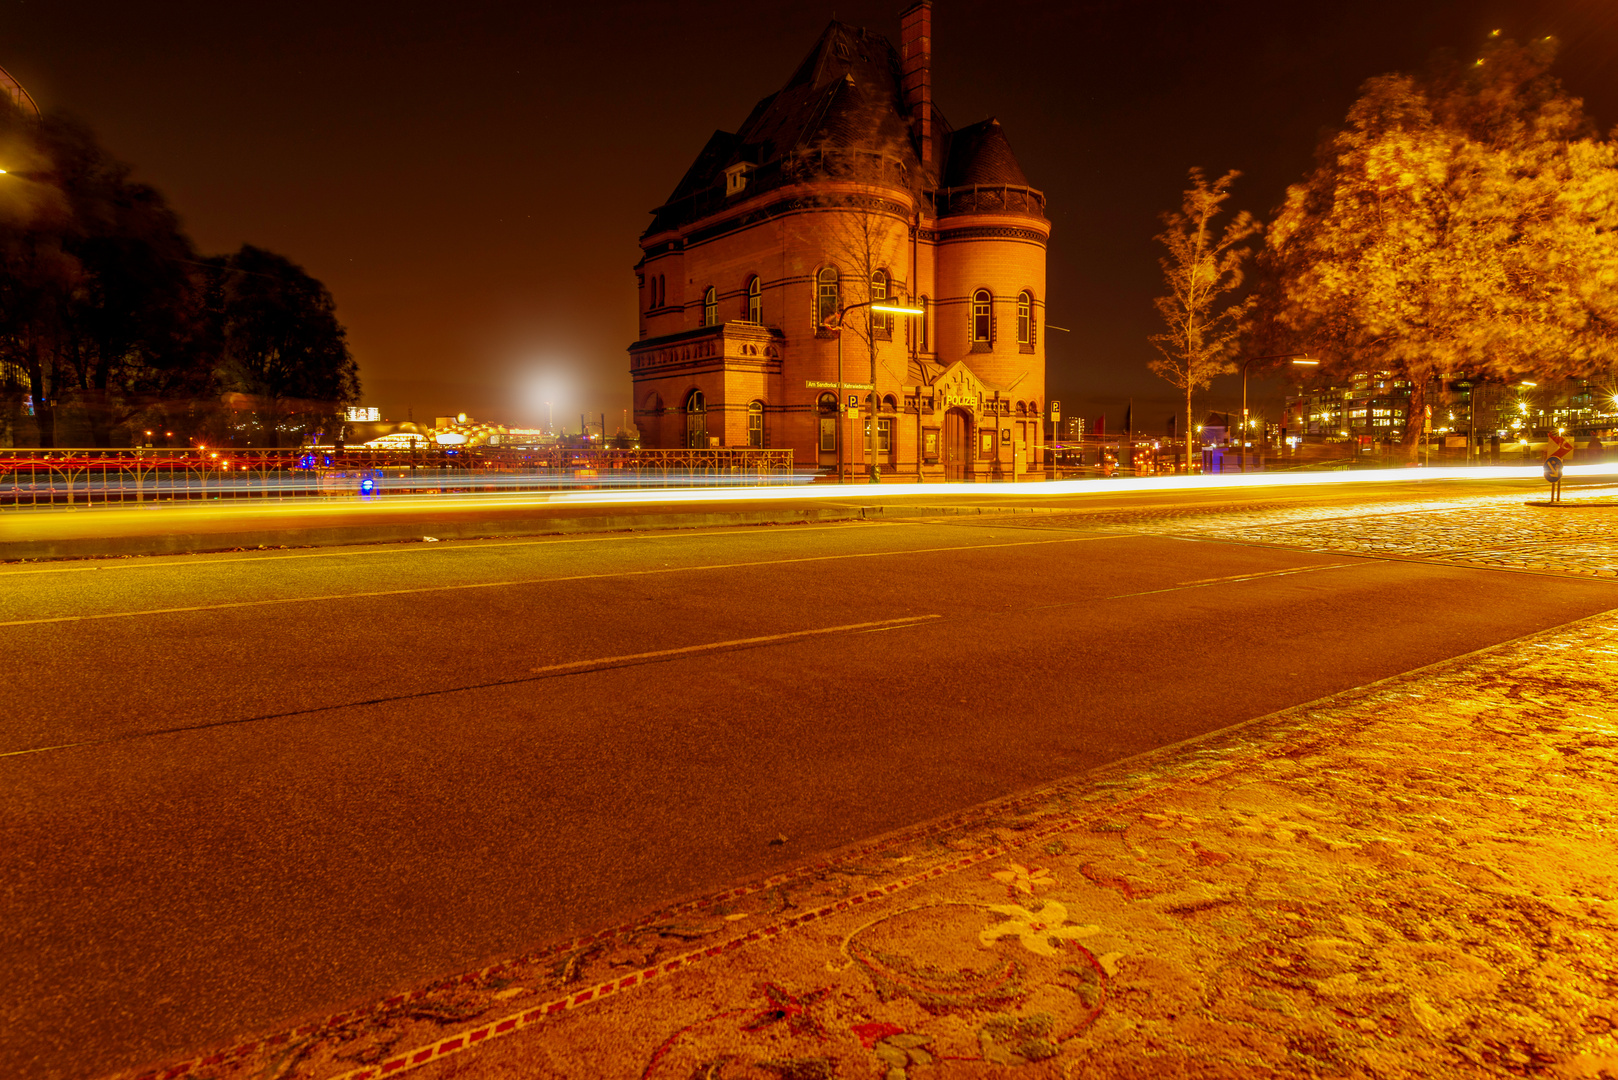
(835,322)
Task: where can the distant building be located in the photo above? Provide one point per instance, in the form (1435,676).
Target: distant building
(1368,407)
(846,187)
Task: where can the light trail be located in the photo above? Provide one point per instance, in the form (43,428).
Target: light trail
(383,504)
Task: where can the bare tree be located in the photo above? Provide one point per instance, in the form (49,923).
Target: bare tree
(1202,271)
(866,239)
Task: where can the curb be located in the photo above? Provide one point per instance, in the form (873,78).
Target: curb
(186,543)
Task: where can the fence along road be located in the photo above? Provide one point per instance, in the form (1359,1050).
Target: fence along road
(90,477)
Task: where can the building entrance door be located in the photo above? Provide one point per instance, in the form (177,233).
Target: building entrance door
(957,444)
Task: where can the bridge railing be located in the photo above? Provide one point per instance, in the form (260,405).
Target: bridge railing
(82,477)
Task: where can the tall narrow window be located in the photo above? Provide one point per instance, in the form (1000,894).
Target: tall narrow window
(827,404)
(982,317)
(827,296)
(1025,319)
(755,424)
(662,291)
(921,323)
(696,420)
(710,307)
(881,321)
(755,300)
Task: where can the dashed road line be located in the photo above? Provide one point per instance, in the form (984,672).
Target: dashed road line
(373,593)
(736,643)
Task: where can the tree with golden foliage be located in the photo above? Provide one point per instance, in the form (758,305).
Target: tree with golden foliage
(1462,221)
(1203,271)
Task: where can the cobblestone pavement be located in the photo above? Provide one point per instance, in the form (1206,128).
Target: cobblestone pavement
(1580,538)
(1418,878)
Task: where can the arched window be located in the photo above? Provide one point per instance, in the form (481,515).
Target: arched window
(755,300)
(827,296)
(710,307)
(755,424)
(1025,318)
(881,321)
(982,317)
(696,419)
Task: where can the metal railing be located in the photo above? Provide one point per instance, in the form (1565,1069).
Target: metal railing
(85,477)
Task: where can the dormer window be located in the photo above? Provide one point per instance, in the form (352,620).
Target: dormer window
(736,178)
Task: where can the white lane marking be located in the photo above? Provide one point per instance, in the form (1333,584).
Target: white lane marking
(577,666)
(406,547)
(736,643)
(554,580)
(1205,582)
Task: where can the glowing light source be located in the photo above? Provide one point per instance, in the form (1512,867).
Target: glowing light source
(897,310)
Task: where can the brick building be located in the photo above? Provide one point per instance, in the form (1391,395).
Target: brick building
(845,188)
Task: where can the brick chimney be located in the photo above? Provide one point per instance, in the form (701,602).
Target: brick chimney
(916,63)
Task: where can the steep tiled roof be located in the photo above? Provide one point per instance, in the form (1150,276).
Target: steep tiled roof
(980,154)
(844,96)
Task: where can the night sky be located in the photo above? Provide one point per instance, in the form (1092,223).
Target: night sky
(470,179)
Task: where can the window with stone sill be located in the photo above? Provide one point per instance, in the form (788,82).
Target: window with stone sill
(828,296)
(755,425)
(755,300)
(982,318)
(1026,330)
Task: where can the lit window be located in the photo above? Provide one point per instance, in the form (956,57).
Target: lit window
(1025,319)
(755,424)
(755,300)
(881,321)
(710,307)
(696,419)
(827,295)
(982,320)
(828,423)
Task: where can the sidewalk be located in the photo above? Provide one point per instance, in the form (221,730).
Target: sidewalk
(1413,879)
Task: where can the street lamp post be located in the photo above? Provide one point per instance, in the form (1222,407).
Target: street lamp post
(835,322)
(1302,361)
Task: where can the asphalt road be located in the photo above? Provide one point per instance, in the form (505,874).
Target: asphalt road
(236,790)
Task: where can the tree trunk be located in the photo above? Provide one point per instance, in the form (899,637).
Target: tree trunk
(1190,432)
(1415,420)
(44,411)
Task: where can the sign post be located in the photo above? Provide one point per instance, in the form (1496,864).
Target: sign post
(1556,450)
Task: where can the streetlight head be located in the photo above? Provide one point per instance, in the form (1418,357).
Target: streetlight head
(1306,362)
(897,310)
